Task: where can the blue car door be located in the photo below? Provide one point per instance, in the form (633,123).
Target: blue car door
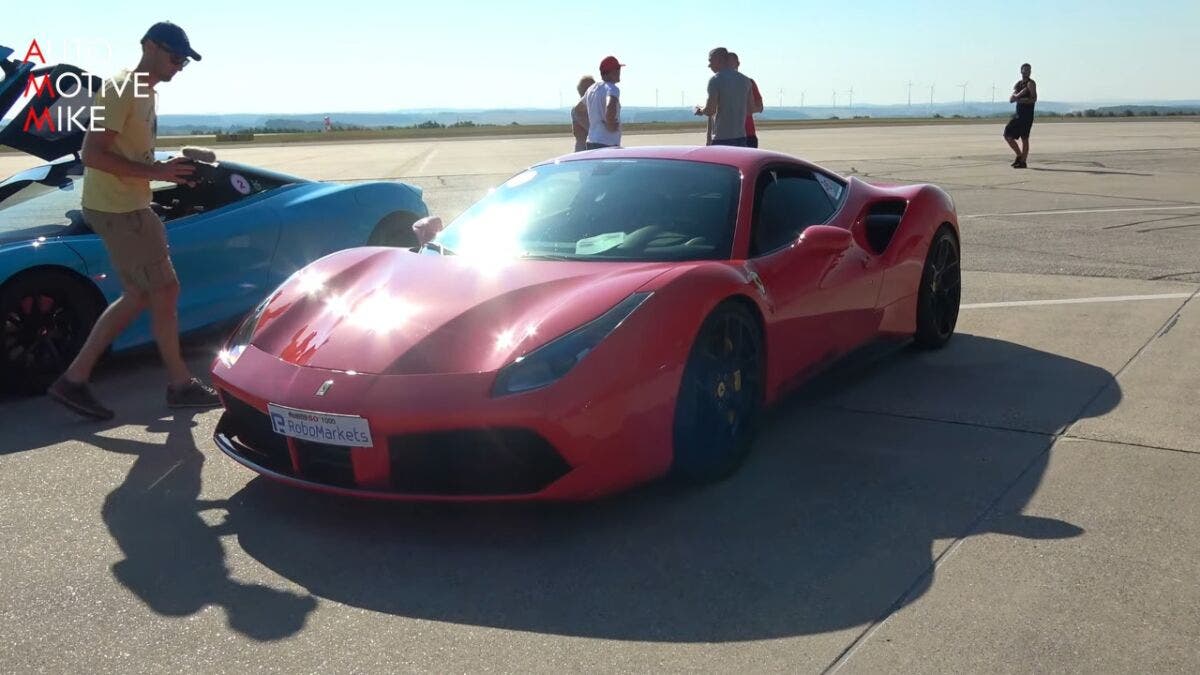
(223,260)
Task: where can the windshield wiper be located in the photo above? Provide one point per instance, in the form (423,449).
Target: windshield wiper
(549,256)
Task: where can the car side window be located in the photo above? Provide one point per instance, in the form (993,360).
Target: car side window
(788,201)
(31,209)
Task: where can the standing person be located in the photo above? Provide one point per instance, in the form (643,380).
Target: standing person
(579,114)
(755,104)
(1025,96)
(715,67)
(603,101)
(728,101)
(119,165)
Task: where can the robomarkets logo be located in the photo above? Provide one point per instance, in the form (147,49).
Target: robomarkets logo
(63,96)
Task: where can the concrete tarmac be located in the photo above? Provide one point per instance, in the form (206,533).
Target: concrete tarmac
(1023,500)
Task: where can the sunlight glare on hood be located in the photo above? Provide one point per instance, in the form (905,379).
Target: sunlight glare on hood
(382,313)
(338,306)
(309,282)
(509,338)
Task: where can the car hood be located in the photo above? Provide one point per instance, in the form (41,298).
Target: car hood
(390,311)
(59,136)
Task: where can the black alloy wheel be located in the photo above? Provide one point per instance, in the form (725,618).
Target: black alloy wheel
(720,396)
(940,293)
(45,317)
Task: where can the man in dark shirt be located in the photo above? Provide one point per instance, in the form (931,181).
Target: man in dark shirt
(1025,96)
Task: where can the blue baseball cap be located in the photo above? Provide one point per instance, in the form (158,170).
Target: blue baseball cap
(172,38)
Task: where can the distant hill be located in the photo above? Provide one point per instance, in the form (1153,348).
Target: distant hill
(1140,110)
(207,124)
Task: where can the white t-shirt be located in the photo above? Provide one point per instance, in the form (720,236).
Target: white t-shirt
(597,102)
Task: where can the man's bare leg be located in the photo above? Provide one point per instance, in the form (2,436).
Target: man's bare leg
(115,319)
(1012,143)
(164,320)
(1024,149)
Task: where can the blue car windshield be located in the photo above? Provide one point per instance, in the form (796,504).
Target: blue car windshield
(604,209)
(30,209)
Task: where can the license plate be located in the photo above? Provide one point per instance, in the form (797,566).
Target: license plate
(319,427)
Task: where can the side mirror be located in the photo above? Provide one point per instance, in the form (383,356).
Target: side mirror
(825,239)
(426,229)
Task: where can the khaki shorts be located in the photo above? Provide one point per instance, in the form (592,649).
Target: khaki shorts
(137,245)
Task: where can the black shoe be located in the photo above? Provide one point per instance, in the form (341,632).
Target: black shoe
(78,397)
(193,394)
(1015,162)
(1019,164)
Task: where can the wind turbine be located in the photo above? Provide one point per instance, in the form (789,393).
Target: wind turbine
(801,98)
(910,84)
(993,92)
(851,92)
(963,86)
(835,98)
(931,97)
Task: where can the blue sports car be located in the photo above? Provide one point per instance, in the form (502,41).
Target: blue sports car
(235,235)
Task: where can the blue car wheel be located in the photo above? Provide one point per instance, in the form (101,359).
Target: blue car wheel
(45,317)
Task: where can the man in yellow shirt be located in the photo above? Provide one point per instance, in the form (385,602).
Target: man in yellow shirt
(119,165)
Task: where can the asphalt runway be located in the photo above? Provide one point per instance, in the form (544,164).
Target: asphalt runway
(1023,500)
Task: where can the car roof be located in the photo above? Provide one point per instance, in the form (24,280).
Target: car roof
(741,158)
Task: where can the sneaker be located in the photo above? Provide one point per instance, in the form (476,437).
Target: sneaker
(1019,164)
(194,394)
(78,397)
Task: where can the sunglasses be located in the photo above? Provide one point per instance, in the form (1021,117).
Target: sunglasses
(178,60)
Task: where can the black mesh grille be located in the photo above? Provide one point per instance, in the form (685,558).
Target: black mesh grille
(473,462)
(256,441)
(324,463)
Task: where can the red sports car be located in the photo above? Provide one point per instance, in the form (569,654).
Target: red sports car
(597,321)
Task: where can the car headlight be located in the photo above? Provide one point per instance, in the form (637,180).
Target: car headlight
(240,339)
(556,358)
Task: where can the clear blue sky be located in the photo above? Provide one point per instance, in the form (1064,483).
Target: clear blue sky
(374,56)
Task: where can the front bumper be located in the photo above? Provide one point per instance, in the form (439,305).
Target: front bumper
(444,437)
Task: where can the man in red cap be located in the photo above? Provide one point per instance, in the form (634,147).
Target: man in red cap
(604,106)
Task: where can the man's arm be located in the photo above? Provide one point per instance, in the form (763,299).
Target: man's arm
(97,153)
(1029,91)
(710,106)
(756,100)
(612,113)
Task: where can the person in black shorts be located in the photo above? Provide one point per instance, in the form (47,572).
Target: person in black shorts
(1025,96)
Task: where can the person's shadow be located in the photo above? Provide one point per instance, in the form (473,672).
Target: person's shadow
(856,486)
(173,561)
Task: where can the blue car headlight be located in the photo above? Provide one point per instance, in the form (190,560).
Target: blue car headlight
(556,358)
(240,339)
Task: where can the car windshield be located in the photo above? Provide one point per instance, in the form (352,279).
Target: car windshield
(604,209)
(38,208)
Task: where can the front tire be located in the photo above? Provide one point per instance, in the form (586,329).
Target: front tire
(940,292)
(45,317)
(720,396)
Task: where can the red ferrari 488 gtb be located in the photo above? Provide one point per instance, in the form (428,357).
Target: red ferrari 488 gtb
(595,322)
